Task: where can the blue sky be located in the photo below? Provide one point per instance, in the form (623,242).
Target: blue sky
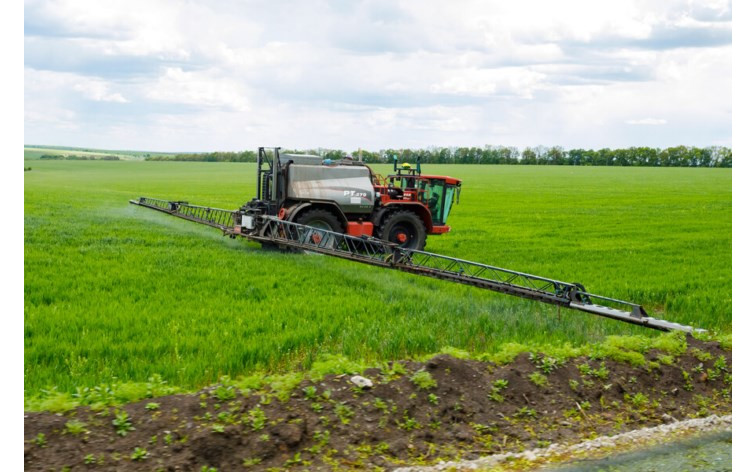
(233,75)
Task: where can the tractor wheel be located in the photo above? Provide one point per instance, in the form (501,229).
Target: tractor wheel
(404,228)
(322,219)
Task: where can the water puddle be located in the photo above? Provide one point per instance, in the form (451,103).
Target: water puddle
(707,453)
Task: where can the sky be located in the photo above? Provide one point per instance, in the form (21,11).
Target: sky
(234,75)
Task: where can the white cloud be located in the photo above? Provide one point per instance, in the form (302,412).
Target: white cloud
(378,73)
(210,88)
(647,121)
(98,91)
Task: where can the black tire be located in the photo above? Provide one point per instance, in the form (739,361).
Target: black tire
(405,223)
(320,218)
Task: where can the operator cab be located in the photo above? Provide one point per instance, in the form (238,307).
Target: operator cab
(434,191)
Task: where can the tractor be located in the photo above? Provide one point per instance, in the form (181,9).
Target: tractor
(346,196)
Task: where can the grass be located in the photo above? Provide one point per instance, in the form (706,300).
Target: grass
(35,152)
(117,293)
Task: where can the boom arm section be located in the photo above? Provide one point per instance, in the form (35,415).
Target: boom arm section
(381,253)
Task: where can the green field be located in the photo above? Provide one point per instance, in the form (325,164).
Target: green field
(35,152)
(112,290)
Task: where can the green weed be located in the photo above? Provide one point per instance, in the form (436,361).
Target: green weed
(538,379)
(424,380)
(139,454)
(76,427)
(122,423)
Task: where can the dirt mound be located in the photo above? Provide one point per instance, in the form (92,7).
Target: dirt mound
(416,413)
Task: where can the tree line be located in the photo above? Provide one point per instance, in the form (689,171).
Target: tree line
(678,156)
(60,157)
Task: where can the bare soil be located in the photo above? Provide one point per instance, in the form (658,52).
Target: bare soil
(338,426)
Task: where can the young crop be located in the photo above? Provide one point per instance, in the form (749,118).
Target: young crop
(224,393)
(218,428)
(496,389)
(423,379)
(408,423)
(343,412)
(380,404)
(545,363)
(40,440)
(310,392)
(257,418)
(538,379)
(139,454)
(79,277)
(526,412)
(76,427)
(122,423)
(638,400)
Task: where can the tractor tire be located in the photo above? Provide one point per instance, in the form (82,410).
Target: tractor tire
(322,219)
(404,228)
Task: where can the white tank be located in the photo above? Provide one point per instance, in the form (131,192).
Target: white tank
(349,186)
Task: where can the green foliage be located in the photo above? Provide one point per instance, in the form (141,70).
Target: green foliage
(673,343)
(120,292)
(432,399)
(40,440)
(701,355)
(392,371)
(76,427)
(538,379)
(257,418)
(455,352)
(380,405)
(283,384)
(545,363)
(122,423)
(226,391)
(296,460)
(139,454)
(343,412)
(678,156)
(638,400)
(627,349)
(526,412)
(424,380)
(408,423)
(720,363)
(251,382)
(334,364)
(723,338)
(601,373)
(56,402)
(496,389)
(310,392)
(627,343)
(506,353)
(666,359)
(152,406)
